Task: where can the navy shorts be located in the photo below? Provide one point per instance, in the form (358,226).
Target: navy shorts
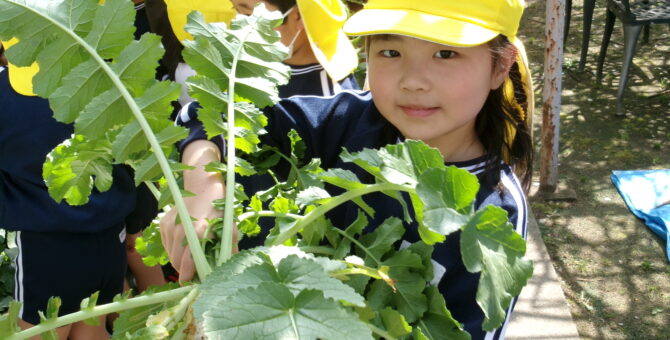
(71,266)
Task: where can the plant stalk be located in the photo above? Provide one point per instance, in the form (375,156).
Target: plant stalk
(113,307)
(154,191)
(267,213)
(362,247)
(226,250)
(177,312)
(336,201)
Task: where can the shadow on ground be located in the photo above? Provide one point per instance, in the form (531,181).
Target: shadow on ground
(613,269)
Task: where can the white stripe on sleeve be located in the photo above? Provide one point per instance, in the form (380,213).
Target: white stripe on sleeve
(18,276)
(324,83)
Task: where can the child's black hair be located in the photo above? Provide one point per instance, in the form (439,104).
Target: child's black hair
(498,114)
(282,5)
(3,60)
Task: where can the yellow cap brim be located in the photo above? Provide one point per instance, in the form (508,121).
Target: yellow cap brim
(438,29)
(21,78)
(323,25)
(337,56)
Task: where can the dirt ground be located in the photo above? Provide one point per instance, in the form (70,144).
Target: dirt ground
(613,269)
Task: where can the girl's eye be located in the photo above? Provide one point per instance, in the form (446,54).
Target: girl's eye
(389,53)
(444,54)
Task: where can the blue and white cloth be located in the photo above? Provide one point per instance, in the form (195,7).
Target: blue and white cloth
(647,195)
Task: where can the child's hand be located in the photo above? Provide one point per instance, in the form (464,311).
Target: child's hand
(207,187)
(175,244)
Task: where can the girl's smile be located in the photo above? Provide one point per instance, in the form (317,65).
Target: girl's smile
(418,110)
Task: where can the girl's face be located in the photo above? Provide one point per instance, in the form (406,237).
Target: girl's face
(432,92)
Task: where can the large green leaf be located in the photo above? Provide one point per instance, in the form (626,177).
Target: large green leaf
(213,54)
(104,112)
(72,168)
(261,51)
(80,86)
(437,322)
(399,164)
(424,251)
(137,63)
(293,272)
(271,311)
(299,274)
(110,32)
(94,75)
(407,297)
(382,239)
(248,118)
(394,323)
(447,196)
(489,244)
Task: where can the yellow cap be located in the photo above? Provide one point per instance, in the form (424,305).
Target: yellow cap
(213,10)
(323,21)
(449,22)
(21,78)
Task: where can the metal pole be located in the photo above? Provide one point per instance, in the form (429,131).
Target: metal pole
(551,104)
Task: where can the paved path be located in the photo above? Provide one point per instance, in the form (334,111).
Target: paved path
(541,312)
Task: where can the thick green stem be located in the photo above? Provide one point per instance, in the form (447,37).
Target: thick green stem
(318,250)
(333,203)
(153,189)
(198,255)
(362,247)
(103,310)
(267,213)
(227,234)
(201,264)
(301,183)
(361,270)
(177,312)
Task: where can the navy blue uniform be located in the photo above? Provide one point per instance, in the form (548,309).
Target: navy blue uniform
(312,80)
(66,251)
(351,120)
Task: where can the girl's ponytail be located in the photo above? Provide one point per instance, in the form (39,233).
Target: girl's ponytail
(3,60)
(520,144)
(503,125)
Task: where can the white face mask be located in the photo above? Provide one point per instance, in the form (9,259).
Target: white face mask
(295,37)
(290,45)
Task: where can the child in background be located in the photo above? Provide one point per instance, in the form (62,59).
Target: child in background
(450,73)
(63,250)
(321,56)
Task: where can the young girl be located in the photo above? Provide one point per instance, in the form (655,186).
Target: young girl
(445,72)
